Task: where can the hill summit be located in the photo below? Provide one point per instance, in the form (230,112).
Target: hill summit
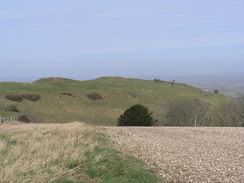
(55,79)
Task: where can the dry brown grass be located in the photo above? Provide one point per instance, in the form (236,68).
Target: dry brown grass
(43,152)
(2,145)
(64,153)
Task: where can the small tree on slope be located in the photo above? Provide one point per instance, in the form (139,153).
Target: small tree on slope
(136,115)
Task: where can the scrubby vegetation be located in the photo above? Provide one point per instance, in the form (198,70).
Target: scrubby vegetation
(198,113)
(23,118)
(19,98)
(136,115)
(228,114)
(186,112)
(66,94)
(31,97)
(14,98)
(94,96)
(64,153)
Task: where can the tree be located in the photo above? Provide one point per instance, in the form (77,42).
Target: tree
(156,80)
(186,112)
(216,91)
(136,115)
(229,114)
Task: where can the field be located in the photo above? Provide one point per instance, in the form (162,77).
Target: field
(78,153)
(64,153)
(117,95)
(186,154)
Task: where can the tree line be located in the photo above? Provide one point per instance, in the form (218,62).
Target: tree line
(191,112)
(188,112)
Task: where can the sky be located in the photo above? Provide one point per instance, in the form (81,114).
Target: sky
(131,38)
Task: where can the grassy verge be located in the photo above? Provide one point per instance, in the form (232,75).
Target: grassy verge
(64,153)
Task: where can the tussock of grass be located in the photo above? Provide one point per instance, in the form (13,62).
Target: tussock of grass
(64,153)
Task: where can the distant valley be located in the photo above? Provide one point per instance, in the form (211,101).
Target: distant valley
(230,84)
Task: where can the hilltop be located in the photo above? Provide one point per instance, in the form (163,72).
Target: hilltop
(65,100)
(54,80)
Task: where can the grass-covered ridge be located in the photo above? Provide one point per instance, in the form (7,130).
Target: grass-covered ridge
(117,95)
(64,153)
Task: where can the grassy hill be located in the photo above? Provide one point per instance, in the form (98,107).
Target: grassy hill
(117,95)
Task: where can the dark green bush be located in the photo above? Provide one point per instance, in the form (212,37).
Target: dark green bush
(136,115)
(216,91)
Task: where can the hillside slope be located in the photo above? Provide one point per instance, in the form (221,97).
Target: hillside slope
(117,95)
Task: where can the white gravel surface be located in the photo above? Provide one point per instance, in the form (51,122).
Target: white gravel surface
(182,154)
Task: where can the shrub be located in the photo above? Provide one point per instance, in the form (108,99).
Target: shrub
(11,108)
(15,98)
(23,118)
(94,96)
(66,94)
(186,112)
(228,114)
(216,91)
(31,97)
(136,115)
(18,98)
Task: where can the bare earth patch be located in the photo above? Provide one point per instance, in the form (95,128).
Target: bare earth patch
(186,154)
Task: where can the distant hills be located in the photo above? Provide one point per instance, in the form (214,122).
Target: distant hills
(64,100)
(228,84)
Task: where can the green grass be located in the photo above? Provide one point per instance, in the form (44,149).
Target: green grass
(112,168)
(118,94)
(65,153)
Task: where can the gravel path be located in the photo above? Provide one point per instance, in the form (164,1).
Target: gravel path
(186,154)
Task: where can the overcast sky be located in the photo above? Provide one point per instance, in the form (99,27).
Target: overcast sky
(131,38)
